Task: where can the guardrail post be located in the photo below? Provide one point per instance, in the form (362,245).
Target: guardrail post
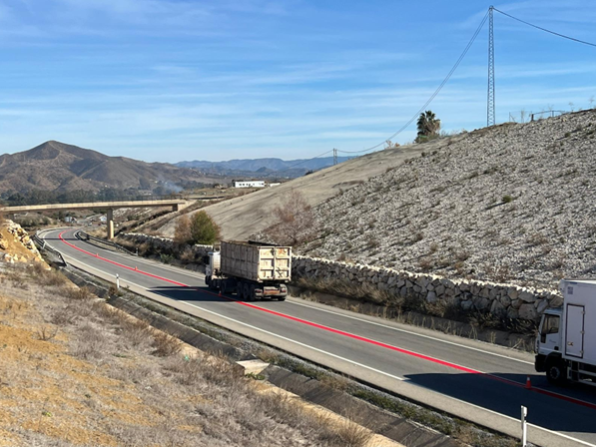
(117,282)
(524,426)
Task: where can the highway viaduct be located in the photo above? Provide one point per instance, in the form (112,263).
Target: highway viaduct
(176,204)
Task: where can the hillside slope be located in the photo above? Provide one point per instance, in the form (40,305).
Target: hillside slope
(244,216)
(54,166)
(508,203)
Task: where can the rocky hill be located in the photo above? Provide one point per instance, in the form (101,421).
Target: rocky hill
(55,166)
(508,203)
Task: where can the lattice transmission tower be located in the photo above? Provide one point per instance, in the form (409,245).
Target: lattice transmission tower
(490,102)
(334,157)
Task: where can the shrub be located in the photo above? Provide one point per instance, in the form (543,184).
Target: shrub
(507,199)
(46,333)
(203,229)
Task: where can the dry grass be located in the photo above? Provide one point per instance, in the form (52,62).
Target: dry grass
(75,371)
(165,345)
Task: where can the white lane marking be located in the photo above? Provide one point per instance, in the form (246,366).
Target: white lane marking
(265,309)
(358,364)
(297,342)
(411,332)
(429,337)
(261,330)
(509,417)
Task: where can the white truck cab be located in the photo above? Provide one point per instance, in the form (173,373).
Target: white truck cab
(566,343)
(214,262)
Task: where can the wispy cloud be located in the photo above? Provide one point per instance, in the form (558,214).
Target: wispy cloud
(174,79)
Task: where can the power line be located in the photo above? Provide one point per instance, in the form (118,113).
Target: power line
(546,30)
(306,160)
(432,97)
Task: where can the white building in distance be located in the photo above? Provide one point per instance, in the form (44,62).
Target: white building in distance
(250,184)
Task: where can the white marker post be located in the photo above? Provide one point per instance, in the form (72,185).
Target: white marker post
(524,426)
(117,282)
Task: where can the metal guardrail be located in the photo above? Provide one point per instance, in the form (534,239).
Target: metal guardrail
(44,247)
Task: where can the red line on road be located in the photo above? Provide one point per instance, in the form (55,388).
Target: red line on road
(345,334)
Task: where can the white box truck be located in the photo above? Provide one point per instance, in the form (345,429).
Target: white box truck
(250,269)
(566,343)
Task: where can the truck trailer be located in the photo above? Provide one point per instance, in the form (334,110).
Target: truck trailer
(566,343)
(252,270)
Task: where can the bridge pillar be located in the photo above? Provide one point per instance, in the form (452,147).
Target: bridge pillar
(176,207)
(110,223)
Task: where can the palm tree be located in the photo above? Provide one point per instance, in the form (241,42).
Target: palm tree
(428,125)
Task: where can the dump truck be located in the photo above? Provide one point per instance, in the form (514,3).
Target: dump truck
(566,343)
(252,270)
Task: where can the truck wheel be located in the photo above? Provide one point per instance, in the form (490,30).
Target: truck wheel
(555,373)
(249,292)
(240,291)
(281,298)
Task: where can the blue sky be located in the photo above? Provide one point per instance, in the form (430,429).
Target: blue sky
(172,80)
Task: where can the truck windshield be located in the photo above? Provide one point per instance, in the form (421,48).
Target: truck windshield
(551,324)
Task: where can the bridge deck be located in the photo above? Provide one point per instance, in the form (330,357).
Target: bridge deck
(92,205)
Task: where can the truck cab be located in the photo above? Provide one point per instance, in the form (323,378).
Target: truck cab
(566,345)
(548,345)
(212,268)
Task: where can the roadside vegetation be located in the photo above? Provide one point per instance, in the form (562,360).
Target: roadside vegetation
(75,371)
(428,126)
(196,229)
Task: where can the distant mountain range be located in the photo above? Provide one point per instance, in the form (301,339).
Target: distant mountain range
(55,166)
(262,167)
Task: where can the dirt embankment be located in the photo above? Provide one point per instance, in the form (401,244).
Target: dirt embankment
(76,372)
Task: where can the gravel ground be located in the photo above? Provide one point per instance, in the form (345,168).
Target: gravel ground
(511,203)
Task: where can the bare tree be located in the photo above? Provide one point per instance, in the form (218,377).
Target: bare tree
(591,101)
(182,233)
(571,106)
(296,221)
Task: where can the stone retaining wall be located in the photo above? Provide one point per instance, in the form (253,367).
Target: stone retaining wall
(502,300)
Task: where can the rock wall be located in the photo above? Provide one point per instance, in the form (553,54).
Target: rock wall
(165,245)
(502,300)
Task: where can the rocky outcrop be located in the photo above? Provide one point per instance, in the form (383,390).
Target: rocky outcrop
(16,245)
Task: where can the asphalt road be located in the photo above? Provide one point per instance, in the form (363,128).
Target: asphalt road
(472,380)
